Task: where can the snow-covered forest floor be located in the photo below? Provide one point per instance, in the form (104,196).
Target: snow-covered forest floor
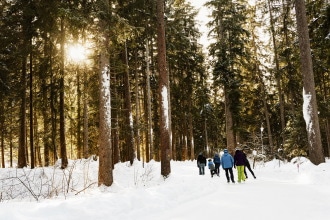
(294,190)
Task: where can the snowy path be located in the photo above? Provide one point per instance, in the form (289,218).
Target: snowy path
(276,194)
(262,198)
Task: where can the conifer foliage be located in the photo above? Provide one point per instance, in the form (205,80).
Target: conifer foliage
(167,97)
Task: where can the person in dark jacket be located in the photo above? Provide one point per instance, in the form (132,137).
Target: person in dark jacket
(201,163)
(247,165)
(227,163)
(239,163)
(217,162)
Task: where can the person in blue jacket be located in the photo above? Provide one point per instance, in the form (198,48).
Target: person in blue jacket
(227,163)
(217,162)
(211,166)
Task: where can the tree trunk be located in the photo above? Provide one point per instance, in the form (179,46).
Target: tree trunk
(64,158)
(32,162)
(184,138)
(38,158)
(79,118)
(53,110)
(266,113)
(2,138)
(277,75)
(230,136)
(85,113)
(264,97)
(327,131)
(191,137)
(105,175)
(149,145)
(310,105)
(165,143)
(114,124)
(206,137)
(46,141)
(11,146)
(175,144)
(128,113)
(22,138)
(45,107)
(137,109)
(2,130)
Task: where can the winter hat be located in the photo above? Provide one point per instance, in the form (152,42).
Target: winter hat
(225,151)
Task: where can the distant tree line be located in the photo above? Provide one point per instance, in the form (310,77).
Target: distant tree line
(246,92)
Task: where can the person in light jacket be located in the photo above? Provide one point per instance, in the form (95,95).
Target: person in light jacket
(227,163)
(211,167)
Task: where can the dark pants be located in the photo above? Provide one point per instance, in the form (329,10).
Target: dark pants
(201,167)
(249,168)
(229,171)
(217,170)
(213,172)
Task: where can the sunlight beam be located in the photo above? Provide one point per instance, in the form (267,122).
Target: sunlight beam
(76,53)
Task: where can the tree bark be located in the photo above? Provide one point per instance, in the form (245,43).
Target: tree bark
(191,135)
(184,138)
(327,131)
(2,138)
(85,113)
(230,136)
(310,105)
(128,112)
(165,143)
(32,155)
(105,176)
(137,110)
(149,145)
(277,76)
(79,119)
(114,124)
(26,33)
(22,137)
(53,107)
(45,105)
(64,162)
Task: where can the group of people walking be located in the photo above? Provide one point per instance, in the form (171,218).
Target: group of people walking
(227,161)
